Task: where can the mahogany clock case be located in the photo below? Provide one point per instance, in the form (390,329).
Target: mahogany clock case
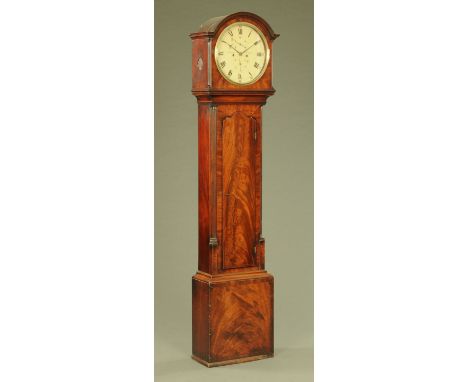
(287,189)
(232,299)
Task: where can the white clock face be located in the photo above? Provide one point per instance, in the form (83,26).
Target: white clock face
(241,53)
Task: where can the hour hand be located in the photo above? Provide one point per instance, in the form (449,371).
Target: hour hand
(238,43)
(231,46)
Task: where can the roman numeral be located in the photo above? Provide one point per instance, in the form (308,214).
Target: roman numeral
(259,54)
(230,73)
(256,65)
(256,42)
(220,53)
(249,34)
(223,64)
(240,30)
(250,75)
(230,32)
(239,76)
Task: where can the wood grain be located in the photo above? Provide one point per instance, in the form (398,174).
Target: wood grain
(203,187)
(232,294)
(199,73)
(232,318)
(200,319)
(239,191)
(238,185)
(241,319)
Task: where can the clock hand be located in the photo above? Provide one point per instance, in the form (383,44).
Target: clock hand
(242,45)
(255,43)
(232,47)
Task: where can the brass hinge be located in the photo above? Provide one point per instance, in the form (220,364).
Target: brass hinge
(260,241)
(213,242)
(254,123)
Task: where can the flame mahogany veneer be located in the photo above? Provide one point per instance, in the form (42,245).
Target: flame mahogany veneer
(232,294)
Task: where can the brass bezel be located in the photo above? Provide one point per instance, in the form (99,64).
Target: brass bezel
(265,43)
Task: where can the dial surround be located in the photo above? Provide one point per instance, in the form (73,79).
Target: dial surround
(242,53)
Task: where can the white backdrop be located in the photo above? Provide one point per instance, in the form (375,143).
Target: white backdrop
(76,191)
(391,133)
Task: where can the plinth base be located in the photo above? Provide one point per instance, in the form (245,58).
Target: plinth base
(232,361)
(232,318)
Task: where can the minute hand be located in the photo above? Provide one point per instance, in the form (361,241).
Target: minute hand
(255,43)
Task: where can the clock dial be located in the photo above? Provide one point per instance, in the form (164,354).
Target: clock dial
(242,53)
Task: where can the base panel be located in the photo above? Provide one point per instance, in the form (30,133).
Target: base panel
(232,319)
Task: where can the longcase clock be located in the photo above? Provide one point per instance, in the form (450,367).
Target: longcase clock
(232,293)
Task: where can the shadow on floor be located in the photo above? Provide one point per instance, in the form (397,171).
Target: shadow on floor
(289,364)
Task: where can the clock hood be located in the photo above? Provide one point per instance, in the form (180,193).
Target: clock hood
(213,25)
